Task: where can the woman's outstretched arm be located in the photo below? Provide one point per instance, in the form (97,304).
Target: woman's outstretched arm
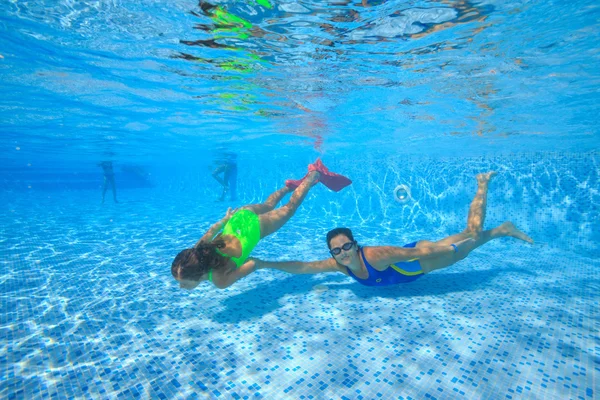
(224,280)
(300,267)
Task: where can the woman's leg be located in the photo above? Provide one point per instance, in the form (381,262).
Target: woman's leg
(270,203)
(474,229)
(504,230)
(216,174)
(275,219)
(114,188)
(476,211)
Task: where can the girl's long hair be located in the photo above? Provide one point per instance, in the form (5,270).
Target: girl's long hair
(192,264)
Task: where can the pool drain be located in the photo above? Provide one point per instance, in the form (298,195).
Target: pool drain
(402,194)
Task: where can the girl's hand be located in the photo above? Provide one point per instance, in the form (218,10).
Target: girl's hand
(229,213)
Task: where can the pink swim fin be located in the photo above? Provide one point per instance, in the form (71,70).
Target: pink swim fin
(333,181)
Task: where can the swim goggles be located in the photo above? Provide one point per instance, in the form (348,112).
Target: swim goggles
(337,250)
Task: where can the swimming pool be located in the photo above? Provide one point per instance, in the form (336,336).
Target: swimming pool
(422,95)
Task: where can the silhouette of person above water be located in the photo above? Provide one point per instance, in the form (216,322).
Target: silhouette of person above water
(226,174)
(109,179)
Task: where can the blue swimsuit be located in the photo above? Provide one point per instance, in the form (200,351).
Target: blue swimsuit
(401,272)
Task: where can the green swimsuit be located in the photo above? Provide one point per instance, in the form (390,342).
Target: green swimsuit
(245,226)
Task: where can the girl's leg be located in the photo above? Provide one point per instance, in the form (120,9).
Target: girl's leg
(504,230)
(269,204)
(476,211)
(275,219)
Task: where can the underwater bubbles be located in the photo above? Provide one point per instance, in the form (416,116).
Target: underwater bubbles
(402,194)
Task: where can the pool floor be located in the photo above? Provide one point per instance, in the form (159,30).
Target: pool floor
(90,310)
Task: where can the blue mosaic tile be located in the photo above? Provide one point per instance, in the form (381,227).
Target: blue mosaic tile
(91,321)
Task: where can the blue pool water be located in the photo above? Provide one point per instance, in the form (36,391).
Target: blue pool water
(420,94)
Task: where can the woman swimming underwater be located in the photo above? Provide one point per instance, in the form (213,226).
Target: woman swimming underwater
(388,265)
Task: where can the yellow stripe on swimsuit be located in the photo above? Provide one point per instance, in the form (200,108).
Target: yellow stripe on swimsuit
(405,272)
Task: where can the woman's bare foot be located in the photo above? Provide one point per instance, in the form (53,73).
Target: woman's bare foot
(486,177)
(509,229)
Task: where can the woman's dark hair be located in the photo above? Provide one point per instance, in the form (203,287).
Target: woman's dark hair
(192,263)
(338,231)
